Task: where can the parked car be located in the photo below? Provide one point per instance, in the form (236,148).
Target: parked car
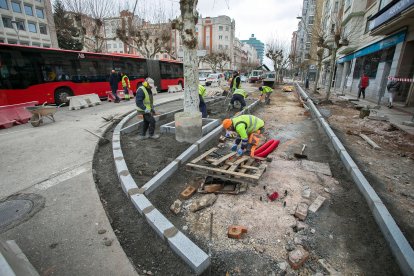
(215,79)
(202,77)
(243,78)
(269,79)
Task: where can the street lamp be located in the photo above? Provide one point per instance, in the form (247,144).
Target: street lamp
(16,29)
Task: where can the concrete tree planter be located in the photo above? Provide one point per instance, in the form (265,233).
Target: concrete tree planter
(188,126)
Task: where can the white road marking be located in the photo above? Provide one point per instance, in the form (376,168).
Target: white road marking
(57,179)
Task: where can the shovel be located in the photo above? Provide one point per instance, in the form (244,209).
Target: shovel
(301,155)
(102,140)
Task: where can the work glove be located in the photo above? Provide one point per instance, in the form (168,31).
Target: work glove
(234,147)
(147,111)
(240,152)
(228,134)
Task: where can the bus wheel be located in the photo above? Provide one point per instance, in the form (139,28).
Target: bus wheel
(61,95)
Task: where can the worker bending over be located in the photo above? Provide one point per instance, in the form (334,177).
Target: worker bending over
(145,107)
(235,82)
(248,128)
(126,85)
(202,105)
(266,91)
(238,96)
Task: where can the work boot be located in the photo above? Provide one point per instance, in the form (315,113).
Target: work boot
(155,136)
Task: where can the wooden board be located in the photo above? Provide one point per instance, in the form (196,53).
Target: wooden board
(201,157)
(223,159)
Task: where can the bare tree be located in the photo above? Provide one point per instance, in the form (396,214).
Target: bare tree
(216,60)
(89,16)
(279,52)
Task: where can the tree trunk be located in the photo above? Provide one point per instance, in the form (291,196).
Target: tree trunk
(191,100)
(331,74)
(318,75)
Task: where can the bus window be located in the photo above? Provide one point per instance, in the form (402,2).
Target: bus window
(17,71)
(166,70)
(136,70)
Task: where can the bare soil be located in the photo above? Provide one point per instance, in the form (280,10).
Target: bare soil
(343,230)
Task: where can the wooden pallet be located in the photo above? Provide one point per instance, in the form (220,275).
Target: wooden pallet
(242,169)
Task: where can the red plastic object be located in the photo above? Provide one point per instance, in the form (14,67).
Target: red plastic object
(267,148)
(273,196)
(15,114)
(5,122)
(120,94)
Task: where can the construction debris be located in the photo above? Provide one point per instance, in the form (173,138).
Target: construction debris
(236,231)
(332,271)
(301,211)
(369,141)
(298,257)
(176,207)
(203,202)
(188,192)
(314,207)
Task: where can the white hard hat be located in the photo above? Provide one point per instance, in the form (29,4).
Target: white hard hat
(150,82)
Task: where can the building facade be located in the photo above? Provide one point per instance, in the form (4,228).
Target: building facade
(258,45)
(28,22)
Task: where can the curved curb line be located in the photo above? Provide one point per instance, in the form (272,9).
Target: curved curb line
(196,258)
(399,245)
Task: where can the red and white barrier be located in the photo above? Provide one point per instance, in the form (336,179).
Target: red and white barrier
(400,79)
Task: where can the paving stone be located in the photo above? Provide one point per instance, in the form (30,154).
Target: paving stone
(347,161)
(159,179)
(316,167)
(176,206)
(187,154)
(127,183)
(196,258)
(301,211)
(203,202)
(141,202)
(314,207)
(298,257)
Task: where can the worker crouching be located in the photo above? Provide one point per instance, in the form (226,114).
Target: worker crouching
(239,95)
(248,128)
(145,107)
(202,105)
(266,91)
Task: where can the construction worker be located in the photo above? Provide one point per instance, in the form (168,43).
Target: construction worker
(266,91)
(248,128)
(202,105)
(238,96)
(145,107)
(126,85)
(235,82)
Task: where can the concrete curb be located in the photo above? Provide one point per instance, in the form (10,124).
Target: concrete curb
(196,258)
(398,244)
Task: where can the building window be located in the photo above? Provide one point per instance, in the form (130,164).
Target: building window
(20,25)
(109,46)
(3,4)
(32,27)
(40,1)
(383,3)
(35,44)
(367,24)
(46,46)
(165,56)
(307,47)
(43,29)
(220,28)
(220,37)
(120,45)
(310,20)
(220,46)
(121,52)
(226,37)
(39,13)
(16,7)
(7,22)
(28,9)
(24,43)
(157,56)
(11,41)
(226,46)
(227,28)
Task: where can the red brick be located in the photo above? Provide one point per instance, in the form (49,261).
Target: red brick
(301,211)
(298,257)
(236,231)
(188,192)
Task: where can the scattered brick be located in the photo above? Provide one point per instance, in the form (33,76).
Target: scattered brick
(298,257)
(301,211)
(203,202)
(188,192)
(314,207)
(212,188)
(236,231)
(176,207)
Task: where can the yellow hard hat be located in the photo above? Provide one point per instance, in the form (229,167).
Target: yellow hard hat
(227,123)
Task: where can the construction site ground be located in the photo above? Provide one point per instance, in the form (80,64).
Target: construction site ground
(342,232)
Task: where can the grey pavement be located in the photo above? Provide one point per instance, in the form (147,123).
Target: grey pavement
(54,161)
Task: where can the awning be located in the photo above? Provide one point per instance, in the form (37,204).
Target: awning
(380,45)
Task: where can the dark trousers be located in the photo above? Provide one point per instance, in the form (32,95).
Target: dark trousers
(115,94)
(238,98)
(148,124)
(267,98)
(203,107)
(361,90)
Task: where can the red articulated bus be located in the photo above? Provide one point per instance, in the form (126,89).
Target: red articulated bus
(51,75)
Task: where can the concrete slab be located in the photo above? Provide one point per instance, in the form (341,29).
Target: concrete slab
(187,154)
(158,222)
(163,175)
(348,161)
(141,202)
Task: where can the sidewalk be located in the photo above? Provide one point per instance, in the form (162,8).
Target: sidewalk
(55,162)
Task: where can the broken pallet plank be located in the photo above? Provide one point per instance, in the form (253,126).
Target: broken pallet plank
(201,157)
(369,141)
(220,171)
(222,159)
(238,162)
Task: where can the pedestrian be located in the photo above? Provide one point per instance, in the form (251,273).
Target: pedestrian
(248,128)
(235,82)
(126,85)
(238,96)
(145,107)
(113,82)
(202,105)
(393,87)
(363,84)
(266,91)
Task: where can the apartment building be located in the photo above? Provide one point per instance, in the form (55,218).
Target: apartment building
(258,45)
(28,22)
